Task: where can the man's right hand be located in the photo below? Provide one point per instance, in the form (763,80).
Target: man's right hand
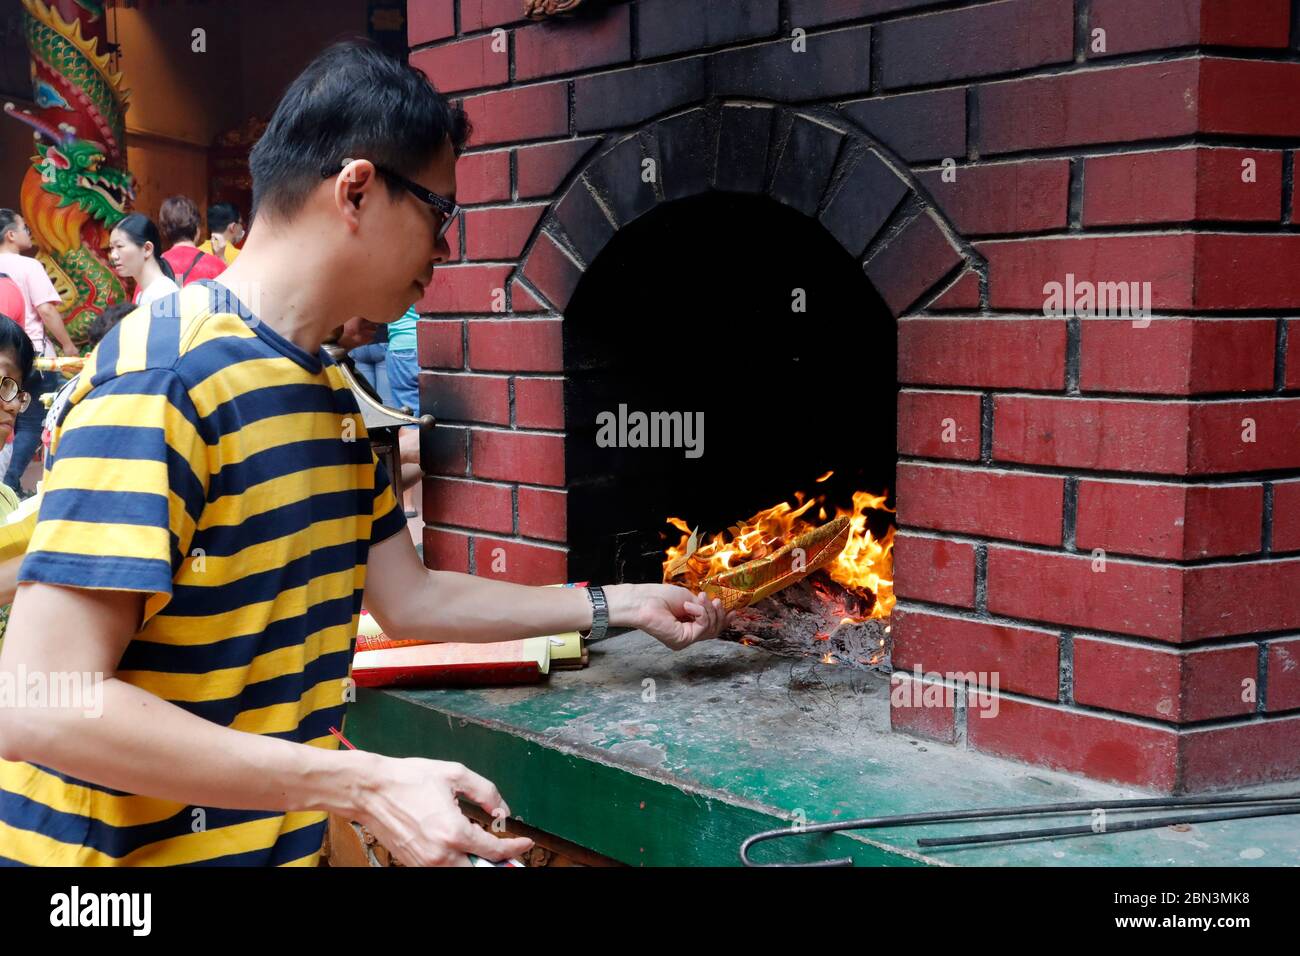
(410,805)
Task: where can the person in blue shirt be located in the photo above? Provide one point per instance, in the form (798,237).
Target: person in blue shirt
(403,366)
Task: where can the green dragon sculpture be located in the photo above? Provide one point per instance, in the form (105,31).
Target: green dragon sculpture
(78,186)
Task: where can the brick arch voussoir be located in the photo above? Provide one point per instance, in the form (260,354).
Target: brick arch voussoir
(813,160)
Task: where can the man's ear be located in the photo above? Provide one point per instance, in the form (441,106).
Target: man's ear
(356,177)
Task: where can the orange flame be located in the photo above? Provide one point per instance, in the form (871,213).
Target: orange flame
(866,565)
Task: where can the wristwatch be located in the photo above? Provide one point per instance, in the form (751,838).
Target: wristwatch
(599,615)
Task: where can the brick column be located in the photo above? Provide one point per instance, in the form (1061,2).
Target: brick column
(1107,526)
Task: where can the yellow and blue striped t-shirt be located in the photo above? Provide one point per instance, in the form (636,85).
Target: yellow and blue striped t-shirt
(226,473)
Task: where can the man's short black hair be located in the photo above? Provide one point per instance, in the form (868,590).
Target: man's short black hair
(221,216)
(8,220)
(353,101)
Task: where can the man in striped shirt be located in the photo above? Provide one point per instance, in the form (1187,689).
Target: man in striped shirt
(214,516)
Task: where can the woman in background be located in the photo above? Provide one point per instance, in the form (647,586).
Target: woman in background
(135,250)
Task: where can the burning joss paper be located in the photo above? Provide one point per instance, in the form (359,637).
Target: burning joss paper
(778,547)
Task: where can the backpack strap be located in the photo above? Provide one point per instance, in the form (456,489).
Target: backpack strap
(199,254)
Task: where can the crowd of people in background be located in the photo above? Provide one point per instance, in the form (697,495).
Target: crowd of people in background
(155,259)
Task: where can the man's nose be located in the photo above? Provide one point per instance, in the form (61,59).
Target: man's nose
(441,251)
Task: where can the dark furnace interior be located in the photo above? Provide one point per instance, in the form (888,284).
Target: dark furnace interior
(692,308)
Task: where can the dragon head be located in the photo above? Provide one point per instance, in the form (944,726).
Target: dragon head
(76,170)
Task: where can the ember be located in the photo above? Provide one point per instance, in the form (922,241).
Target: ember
(814,618)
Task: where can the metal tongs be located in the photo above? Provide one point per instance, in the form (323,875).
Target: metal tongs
(1279,805)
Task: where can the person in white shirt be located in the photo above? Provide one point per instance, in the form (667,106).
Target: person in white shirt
(134,249)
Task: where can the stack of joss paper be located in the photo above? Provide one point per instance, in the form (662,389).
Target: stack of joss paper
(755,580)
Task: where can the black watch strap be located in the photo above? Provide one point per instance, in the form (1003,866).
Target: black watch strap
(599,614)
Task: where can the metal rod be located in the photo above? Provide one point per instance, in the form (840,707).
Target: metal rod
(991,813)
(1274,810)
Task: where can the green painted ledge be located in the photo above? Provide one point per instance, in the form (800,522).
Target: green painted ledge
(661,759)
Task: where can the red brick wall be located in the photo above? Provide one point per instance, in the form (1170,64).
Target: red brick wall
(1079,510)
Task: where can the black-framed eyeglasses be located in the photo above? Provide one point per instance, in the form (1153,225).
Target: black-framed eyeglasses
(9,390)
(449,210)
